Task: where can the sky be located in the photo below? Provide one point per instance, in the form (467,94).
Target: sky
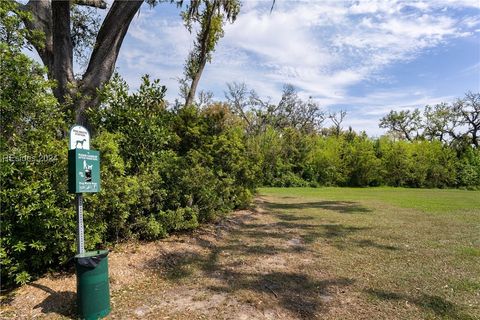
(365,57)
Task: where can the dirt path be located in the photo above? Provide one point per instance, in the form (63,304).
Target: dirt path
(252,265)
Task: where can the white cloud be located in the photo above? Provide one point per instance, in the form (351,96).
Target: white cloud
(324,48)
(335,44)
(473,69)
(279,38)
(374,6)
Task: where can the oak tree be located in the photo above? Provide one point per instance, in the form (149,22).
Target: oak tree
(405,123)
(55,19)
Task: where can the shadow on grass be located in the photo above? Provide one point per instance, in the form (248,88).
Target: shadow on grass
(260,250)
(373,244)
(435,304)
(289,226)
(348,207)
(291,217)
(296,292)
(313,232)
(59,302)
(339,230)
(176,266)
(285,230)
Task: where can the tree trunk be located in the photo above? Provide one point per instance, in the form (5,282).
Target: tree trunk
(203,57)
(195,81)
(104,56)
(52,17)
(62,50)
(41,11)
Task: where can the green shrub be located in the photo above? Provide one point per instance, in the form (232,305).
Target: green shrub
(38,222)
(468,169)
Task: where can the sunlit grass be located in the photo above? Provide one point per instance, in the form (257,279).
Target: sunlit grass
(427,200)
(401,247)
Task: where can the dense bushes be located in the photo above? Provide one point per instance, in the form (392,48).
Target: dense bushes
(356,160)
(162,170)
(37,220)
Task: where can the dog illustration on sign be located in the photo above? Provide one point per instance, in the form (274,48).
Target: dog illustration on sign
(88,171)
(80,142)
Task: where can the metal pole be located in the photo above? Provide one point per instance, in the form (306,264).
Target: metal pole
(80,234)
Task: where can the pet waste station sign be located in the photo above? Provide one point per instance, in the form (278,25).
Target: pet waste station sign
(83,164)
(83,174)
(79,138)
(83,171)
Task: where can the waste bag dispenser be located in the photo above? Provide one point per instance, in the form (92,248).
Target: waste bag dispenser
(93,292)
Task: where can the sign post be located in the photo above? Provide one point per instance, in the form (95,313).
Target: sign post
(80,230)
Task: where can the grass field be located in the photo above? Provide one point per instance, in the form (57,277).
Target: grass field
(325,253)
(408,253)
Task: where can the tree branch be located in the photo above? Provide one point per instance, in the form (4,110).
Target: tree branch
(62,48)
(105,53)
(41,11)
(100,4)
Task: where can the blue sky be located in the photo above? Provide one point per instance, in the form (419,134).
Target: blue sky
(366,57)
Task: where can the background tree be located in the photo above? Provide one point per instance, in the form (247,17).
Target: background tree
(441,122)
(469,110)
(205,98)
(294,112)
(456,123)
(237,96)
(210,21)
(290,112)
(406,123)
(337,119)
(247,104)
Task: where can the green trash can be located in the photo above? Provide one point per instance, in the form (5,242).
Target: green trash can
(93,292)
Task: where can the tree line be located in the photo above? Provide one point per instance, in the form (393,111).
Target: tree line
(295,147)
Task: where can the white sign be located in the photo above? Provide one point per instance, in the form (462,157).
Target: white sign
(79,138)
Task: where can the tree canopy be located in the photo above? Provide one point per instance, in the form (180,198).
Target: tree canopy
(457,123)
(59,30)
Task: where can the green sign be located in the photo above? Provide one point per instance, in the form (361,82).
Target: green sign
(83,171)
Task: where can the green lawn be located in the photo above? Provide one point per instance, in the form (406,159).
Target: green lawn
(409,253)
(426,200)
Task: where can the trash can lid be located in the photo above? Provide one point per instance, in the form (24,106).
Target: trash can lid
(90,254)
(91,259)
